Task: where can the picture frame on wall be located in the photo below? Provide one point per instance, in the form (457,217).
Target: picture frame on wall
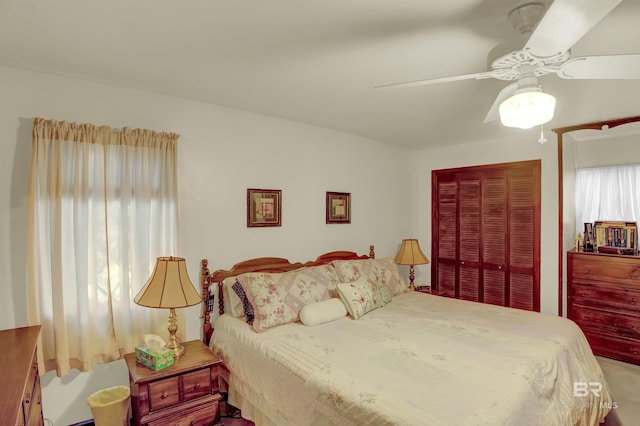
(264,207)
(338,207)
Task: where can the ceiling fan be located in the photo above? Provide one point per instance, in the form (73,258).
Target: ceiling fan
(543,47)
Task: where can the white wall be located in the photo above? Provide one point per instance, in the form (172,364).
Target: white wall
(222,152)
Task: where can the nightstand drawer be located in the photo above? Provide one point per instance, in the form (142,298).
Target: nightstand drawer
(185,393)
(164,393)
(196,384)
(207,415)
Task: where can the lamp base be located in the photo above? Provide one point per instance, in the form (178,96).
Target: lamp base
(176,348)
(174,344)
(412,276)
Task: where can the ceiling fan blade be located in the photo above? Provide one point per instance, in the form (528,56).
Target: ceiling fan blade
(565,23)
(611,67)
(504,94)
(477,76)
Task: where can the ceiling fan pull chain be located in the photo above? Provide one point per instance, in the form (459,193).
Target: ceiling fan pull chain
(542,138)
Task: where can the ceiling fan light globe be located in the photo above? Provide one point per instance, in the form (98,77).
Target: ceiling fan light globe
(527,109)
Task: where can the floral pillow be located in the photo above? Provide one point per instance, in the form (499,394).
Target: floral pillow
(247,308)
(378,271)
(324,274)
(232,301)
(277,298)
(359,297)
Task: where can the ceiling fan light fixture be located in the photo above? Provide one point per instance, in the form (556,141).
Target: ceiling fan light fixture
(527,109)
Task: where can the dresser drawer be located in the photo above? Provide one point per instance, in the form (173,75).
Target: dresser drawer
(613,346)
(34,416)
(164,393)
(607,269)
(614,322)
(204,416)
(597,294)
(196,384)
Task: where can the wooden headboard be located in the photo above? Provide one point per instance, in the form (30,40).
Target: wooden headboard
(260,264)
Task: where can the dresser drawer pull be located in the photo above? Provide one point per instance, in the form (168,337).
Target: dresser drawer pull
(635,326)
(586,271)
(585,293)
(635,351)
(633,300)
(586,317)
(462,263)
(27,400)
(196,386)
(164,395)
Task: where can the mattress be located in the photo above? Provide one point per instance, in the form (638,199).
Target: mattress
(420,359)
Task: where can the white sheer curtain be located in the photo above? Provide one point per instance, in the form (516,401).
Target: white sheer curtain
(102,207)
(607,193)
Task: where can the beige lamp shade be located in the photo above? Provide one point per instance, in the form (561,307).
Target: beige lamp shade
(411,254)
(169,286)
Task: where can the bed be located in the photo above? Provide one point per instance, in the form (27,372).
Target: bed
(418,359)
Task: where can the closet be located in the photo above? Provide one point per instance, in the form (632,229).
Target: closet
(486,233)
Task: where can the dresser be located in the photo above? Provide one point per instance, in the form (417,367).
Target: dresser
(185,393)
(604,300)
(21,397)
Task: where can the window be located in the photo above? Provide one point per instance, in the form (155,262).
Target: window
(607,193)
(102,208)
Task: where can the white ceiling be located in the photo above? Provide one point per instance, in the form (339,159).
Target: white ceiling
(315,61)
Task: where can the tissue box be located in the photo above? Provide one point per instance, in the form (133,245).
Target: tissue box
(155,360)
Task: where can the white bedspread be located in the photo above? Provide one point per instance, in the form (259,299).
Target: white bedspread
(419,360)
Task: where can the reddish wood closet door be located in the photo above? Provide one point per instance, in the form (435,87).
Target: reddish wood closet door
(486,233)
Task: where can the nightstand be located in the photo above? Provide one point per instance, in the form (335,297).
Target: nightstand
(428,290)
(185,393)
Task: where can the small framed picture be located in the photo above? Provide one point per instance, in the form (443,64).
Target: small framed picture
(264,207)
(338,207)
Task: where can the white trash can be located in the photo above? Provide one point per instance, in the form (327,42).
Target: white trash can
(110,406)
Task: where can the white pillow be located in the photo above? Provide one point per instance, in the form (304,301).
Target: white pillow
(323,311)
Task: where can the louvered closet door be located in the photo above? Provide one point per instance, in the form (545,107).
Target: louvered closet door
(524,231)
(469,261)
(486,233)
(494,237)
(447,228)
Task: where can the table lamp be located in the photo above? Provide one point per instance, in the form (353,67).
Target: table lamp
(169,287)
(411,254)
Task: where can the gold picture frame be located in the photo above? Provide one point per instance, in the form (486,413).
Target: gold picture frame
(338,207)
(264,207)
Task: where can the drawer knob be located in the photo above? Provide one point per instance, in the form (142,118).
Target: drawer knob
(586,270)
(635,351)
(635,326)
(633,300)
(164,395)
(586,317)
(196,386)
(462,263)
(585,293)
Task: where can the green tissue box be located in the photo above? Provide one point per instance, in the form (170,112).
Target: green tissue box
(155,360)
